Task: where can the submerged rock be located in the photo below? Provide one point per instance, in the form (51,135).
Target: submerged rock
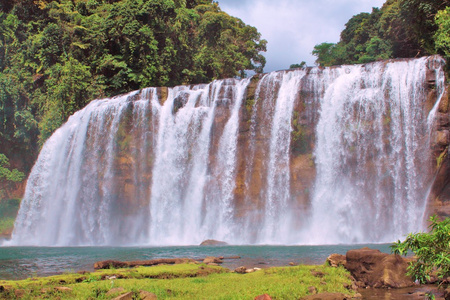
(212,260)
(376,269)
(213,243)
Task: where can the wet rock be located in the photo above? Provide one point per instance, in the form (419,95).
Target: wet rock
(442,138)
(213,243)
(376,269)
(115,291)
(336,260)
(147,295)
(212,259)
(127,296)
(232,257)
(108,264)
(263,297)
(240,270)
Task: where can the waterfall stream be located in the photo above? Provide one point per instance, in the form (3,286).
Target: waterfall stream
(307,156)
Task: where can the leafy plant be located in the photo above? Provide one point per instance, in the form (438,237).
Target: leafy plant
(432,251)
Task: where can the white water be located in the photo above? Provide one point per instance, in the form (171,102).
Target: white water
(138,170)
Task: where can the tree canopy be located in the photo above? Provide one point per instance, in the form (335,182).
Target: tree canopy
(400,29)
(56,56)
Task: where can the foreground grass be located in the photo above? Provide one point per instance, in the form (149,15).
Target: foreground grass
(184,281)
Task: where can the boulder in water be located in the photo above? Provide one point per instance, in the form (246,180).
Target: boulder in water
(213,243)
(376,269)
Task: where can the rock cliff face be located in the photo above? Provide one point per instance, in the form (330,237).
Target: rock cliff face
(439,200)
(344,154)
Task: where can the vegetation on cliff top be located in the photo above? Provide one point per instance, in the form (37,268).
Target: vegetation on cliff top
(56,56)
(400,29)
(185,281)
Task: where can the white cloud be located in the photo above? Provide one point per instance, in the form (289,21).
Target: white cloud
(293,27)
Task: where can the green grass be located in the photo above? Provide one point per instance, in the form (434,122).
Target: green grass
(185,281)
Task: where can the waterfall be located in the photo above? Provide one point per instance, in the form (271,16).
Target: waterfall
(307,156)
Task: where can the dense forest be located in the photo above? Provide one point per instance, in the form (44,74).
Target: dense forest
(400,29)
(56,56)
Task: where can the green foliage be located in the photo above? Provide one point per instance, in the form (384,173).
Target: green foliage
(57,55)
(300,65)
(8,213)
(401,28)
(7,174)
(442,35)
(432,251)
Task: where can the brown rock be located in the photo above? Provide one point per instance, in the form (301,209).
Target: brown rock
(376,269)
(127,296)
(232,257)
(213,243)
(147,295)
(212,259)
(312,290)
(263,297)
(240,270)
(317,274)
(107,264)
(19,293)
(336,260)
(115,291)
(447,293)
(442,137)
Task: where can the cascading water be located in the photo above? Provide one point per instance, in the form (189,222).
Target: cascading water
(334,155)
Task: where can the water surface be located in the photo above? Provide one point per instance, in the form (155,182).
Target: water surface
(24,262)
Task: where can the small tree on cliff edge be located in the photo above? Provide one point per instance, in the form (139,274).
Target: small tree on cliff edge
(432,251)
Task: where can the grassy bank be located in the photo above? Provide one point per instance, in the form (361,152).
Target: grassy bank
(184,281)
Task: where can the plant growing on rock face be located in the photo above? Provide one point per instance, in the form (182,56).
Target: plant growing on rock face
(432,251)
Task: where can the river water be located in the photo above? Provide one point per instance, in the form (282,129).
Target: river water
(25,262)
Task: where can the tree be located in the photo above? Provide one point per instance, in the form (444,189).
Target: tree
(300,65)
(442,35)
(432,251)
(7,176)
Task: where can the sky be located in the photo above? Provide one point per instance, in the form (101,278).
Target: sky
(293,27)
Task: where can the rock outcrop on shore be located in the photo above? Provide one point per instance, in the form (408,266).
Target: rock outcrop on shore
(373,268)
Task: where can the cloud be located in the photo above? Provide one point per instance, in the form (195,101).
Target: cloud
(293,27)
